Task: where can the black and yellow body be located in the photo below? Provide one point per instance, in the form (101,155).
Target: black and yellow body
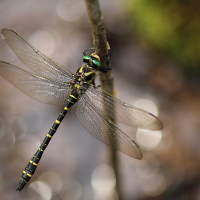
(84,76)
(32,165)
(49,82)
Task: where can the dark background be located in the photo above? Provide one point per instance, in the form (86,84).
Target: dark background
(155,47)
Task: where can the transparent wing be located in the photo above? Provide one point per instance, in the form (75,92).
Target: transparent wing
(34,59)
(35,86)
(123,112)
(103,129)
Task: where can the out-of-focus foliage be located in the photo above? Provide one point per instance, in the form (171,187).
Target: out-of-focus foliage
(172,27)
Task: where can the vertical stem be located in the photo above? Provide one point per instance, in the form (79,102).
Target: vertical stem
(106,79)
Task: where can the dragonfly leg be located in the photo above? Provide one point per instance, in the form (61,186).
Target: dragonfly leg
(84,52)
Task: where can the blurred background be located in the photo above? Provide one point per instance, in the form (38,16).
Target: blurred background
(155,47)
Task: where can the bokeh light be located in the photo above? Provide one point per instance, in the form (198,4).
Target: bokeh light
(40,190)
(52,179)
(106,193)
(155,185)
(103,176)
(148,105)
(70,10)
(44,41)
(71,189)
(148,139)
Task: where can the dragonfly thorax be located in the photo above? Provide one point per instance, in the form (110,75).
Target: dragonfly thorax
(85,74)
(84,77)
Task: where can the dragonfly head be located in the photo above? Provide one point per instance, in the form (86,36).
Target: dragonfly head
(93,60)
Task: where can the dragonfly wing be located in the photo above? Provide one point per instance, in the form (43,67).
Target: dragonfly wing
(37,87)
(103,129)
(123,112)
(34,59)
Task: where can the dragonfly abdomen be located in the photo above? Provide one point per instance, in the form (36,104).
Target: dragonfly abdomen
(32,165)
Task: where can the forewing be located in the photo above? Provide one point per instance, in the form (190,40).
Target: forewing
(123,112)
(34,59)
(37,87)
(103,129)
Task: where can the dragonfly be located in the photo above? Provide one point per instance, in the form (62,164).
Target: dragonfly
(51,83)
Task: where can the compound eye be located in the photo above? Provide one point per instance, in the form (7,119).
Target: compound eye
(96,64)
(87,59)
